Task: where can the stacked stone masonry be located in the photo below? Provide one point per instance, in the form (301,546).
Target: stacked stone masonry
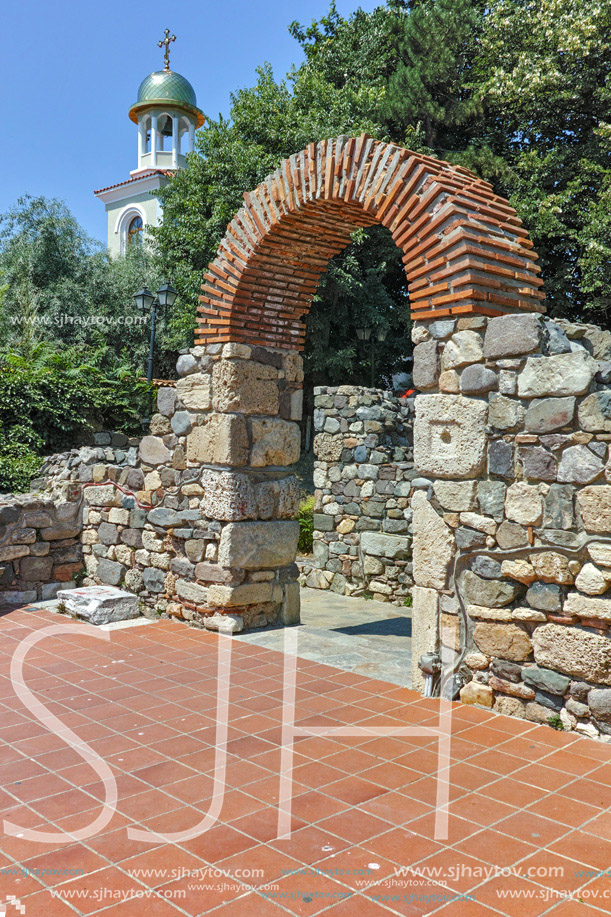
(200,517)
(362,475)
(512,529)
(511,504)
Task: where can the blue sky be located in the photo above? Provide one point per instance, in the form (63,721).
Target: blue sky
(73,69)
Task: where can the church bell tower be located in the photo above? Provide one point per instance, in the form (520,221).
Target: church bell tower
(167,116)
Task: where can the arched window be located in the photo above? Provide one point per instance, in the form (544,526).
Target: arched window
(134,231)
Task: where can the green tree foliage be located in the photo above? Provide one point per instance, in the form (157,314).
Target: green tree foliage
(545,80)
(517,90)
(70,358)
(435,46)
(61,286)
(50,398)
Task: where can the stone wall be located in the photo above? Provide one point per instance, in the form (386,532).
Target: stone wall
(209,524)
(42,544)
(40,549)
(511,504)
(362,474)
(512,532)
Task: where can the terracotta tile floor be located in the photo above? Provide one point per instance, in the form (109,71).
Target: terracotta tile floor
(529,824)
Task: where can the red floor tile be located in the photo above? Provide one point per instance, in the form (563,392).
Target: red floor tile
(363,807)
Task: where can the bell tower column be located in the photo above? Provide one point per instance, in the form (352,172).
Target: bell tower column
(175,141)
(154,141)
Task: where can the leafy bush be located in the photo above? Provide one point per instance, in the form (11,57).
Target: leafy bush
(49,398)
(18,465)
(306,526)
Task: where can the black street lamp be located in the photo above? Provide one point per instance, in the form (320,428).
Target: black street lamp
(145,300)
(365,334)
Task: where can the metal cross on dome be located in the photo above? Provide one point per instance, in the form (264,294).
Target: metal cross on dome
(166,41)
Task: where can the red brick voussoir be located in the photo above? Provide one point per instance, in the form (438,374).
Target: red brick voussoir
(464,248)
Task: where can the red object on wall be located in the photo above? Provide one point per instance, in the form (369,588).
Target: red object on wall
(464,248)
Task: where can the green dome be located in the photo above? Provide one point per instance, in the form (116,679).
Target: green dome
(165,86)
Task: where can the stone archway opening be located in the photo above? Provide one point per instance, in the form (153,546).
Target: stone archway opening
(464,253)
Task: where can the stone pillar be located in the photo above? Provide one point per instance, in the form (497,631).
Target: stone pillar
(242,405)
(512,512)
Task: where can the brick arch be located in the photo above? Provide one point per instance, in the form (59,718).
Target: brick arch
(464,248)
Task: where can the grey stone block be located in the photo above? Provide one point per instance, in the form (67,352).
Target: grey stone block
(477,378)
(426,365)
(500,459)
(512,335)
(547,414)
(110,572)
(544,596)
(546,680)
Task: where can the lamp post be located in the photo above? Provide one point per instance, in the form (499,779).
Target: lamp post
(365,334)
(145,300)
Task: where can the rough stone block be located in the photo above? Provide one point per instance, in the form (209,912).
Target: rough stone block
(195,392)
(579,465)
(191,592)
(509,641)
(545,415)
(523,504)
(166,401)
(450,435)
(433,545)
(561,374)
(425,629)
(290,613)
(573,651)
(456,496)
(222,440)
(228,496)
(35,569)
(552,567)
(381,545)
(594,506)
(463,348)
(14,551)
(504,413)
(100,604)
(599,703)
(538,464)
(489,592)
(600,553)
(246,594)
(587,607)
(475,693)
(275,442)
(153,451)
(245,387)
(328,448)
(595,413)
(254,545)
(477,379)
(512,335)
(500,459)
(224,623)
(213,573)
(61,531)
(110,572)
(426,365)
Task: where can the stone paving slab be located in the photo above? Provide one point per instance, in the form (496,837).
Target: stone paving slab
(529,826)
(354,634)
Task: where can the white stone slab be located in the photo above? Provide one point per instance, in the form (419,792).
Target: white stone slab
(100,604)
